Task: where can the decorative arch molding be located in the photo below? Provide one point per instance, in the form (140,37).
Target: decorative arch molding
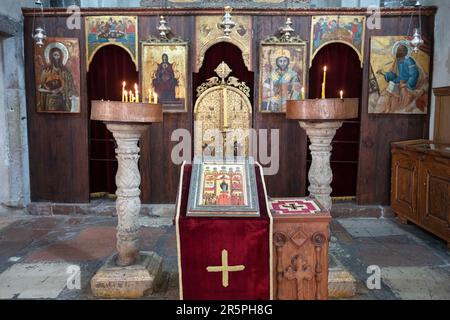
(346,29)
(236,42)
(360,54)
(91,58)
(208,34)
(114,30)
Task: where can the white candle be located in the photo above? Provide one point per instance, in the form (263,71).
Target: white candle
(131,96)
(342,94)
(136,93)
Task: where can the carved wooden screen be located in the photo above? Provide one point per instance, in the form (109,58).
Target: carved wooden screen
(223,105)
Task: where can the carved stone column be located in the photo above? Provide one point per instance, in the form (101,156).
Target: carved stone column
(320,175)
(130,273)
(128,180)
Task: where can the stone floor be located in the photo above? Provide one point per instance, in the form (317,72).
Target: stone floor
(40,255)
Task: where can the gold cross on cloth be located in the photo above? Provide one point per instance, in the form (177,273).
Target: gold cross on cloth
(225,268)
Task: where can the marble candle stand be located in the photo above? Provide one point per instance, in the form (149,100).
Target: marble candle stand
(321,118)
(130,273)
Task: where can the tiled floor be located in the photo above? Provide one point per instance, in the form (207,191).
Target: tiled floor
(41,257)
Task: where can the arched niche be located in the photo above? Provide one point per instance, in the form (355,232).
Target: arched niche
(344,72)
(100,47)
(231,54)
(110,66)
(357,52)
(239,44)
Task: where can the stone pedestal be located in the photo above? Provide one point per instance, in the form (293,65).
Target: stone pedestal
(133,281)
(320,175)
(321,118)
(128,274)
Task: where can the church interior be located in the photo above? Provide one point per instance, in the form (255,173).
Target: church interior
(225,150)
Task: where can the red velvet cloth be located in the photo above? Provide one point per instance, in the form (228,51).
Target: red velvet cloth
(202,240)
(344,72)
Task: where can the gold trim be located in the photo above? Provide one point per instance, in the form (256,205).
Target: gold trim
(208,33)
(177,228)
(89,59)
(403,11)
(188,77)
(177,231)
(313,53)
(225,268)
(245,54)
(219,87)
(288,44)
(269,213)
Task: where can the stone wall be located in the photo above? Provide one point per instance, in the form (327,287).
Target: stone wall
(441,70)
(14,173)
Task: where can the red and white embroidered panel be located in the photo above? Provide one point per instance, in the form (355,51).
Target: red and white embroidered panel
(294,206)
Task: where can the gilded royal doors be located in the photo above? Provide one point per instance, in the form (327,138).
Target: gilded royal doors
(223,115)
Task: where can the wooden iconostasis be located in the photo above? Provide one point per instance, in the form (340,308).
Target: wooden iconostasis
(72,157)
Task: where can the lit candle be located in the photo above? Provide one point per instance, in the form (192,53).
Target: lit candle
(342,94)
(131,96)
(136,93)
(125,96)
(324,81)
(225,108)
(155,98)
(303,93)
(149,95)
(123,91)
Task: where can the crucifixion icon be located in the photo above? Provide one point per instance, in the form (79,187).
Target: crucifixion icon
(225,268)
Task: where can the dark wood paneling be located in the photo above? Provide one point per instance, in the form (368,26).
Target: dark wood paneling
(58,143)
(291,177)
(379,130)
(160,176)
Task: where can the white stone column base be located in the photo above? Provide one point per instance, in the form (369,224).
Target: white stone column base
(135,281)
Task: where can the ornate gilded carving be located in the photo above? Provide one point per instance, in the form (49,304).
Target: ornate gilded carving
(222,105)
(209,33)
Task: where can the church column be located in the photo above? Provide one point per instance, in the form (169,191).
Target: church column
(128,180)
(130,273)
(320,175)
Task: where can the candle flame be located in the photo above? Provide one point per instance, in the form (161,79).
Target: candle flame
(325,68)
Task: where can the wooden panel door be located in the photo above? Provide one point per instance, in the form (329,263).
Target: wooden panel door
(434,195)
(442,115)
(404,184)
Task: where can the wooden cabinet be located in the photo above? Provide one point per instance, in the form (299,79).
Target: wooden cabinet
(420,190)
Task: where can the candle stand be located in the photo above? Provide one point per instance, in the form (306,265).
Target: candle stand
(129,273)
(321,118)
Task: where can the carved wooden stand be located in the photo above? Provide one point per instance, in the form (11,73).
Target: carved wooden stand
(321,118)
(300,263)
(130,273)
